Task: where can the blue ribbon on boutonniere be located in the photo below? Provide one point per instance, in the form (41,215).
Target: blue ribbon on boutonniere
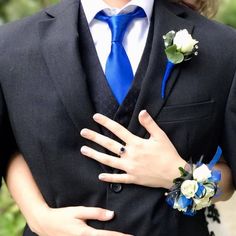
(179,47)
(169,68)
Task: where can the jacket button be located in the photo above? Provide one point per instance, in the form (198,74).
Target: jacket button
(117,188)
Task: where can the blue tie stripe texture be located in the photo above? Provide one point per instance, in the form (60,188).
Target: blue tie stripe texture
(119,73)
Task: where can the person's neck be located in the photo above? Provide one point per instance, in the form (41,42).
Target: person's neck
(116,3)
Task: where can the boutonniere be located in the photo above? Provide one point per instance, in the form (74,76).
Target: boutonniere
(179,47)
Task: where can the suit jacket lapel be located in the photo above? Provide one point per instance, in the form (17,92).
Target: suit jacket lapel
(166,16)
(59,43)
(60,47)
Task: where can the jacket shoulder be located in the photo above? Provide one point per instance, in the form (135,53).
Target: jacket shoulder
(210,28)
(20,28)
(217,37)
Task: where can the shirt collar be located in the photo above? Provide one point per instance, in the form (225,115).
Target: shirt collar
(92,7)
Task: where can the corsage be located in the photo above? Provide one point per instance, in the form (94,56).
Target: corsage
(196,187)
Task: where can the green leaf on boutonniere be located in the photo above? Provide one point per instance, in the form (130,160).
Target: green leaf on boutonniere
(168,38)
(174,55)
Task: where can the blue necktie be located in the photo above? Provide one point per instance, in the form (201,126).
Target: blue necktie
(118,70)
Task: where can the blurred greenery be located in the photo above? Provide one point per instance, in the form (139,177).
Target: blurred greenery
(11,10)
(11,222)
(227,12)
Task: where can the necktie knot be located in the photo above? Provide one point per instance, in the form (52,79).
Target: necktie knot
(118,24)
(118,71)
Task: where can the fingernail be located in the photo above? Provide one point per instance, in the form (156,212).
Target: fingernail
(96,117)
(84,150)
(144,113)
(83,132)
(109,214)
(102,176)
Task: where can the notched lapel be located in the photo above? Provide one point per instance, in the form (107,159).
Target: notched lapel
(59,45)
(167,17)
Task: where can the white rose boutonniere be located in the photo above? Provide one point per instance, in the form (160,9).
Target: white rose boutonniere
(179,47)
(184,41)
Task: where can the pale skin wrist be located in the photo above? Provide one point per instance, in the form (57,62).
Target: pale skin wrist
(37,217)
(174,172)
(25,192)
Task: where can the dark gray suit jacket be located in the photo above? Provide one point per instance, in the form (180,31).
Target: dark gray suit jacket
(44,103)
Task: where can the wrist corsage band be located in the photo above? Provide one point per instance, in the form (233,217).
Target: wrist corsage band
(196,187)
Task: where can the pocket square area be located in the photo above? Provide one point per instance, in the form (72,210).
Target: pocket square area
(186,112)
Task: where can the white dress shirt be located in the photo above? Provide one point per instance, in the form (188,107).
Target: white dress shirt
(136,34)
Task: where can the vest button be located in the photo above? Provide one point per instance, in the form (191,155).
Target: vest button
(117,188)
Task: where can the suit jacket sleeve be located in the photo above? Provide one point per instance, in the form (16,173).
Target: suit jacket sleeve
(7,142)
(228,142)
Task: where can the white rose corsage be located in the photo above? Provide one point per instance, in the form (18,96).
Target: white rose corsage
(196,187)
(179,47)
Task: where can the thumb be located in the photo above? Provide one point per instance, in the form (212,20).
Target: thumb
(93,213)
(149,124)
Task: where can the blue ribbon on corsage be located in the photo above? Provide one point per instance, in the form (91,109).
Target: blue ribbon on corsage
(196,186)
(179,47)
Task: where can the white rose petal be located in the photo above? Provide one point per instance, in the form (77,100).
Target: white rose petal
(184,41)
(202,203)
(202,173)
(189,188)
(177,206)
(210,192)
